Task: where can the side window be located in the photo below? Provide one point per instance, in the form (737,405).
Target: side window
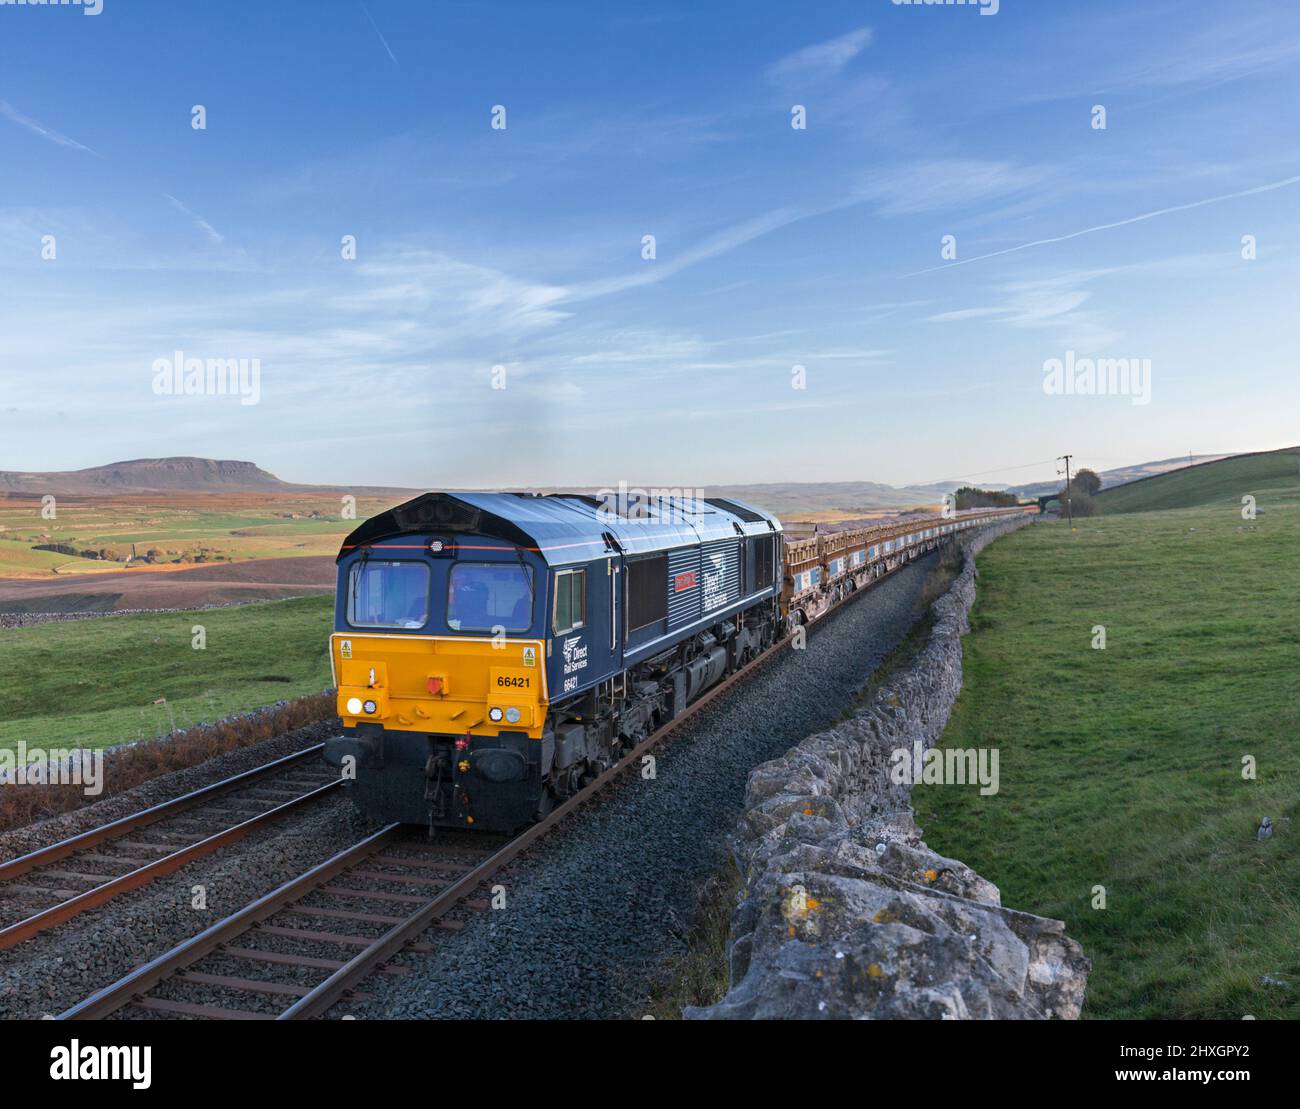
(570,601)
(563,601)
(580,599)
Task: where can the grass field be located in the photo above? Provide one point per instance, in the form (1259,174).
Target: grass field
(94,682)
(1123,767)
(180,527)
(234,527)
(1219,483)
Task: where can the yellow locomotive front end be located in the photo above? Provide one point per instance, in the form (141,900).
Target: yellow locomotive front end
(445,684)
(439,656)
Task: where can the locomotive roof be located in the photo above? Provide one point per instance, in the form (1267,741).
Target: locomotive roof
(565,527)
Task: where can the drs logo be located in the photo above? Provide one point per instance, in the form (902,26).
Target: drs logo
(683,582)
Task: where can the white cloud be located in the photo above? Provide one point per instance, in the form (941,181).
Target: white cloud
(722,242)
(945,183)
(1055,303)
(1232,49)
(820,61)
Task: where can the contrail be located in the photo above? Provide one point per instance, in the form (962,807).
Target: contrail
(199,222)
(10,112)
(1118,223)
(381,35)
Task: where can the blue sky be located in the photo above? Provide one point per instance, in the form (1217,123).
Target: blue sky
(522,247)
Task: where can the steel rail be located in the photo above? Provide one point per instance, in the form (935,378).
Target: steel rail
(364,963)
(61,850)
(24,929)
(345,979)
(143,978)
(137,983)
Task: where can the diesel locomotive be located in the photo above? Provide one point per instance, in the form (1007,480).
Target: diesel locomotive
(494,652)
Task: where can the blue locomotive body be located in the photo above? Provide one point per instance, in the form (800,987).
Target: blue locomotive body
(494,651)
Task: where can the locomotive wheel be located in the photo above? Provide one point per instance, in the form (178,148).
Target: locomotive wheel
(565,783)
(545,804)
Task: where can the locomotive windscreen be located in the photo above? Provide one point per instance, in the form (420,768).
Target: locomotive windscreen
(484,596)
(388,595)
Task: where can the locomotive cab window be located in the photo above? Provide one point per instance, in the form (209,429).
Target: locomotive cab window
(485,596)
(570,601)
(388,595)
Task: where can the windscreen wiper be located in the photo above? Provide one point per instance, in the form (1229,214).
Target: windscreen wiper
(357,567)
(528,577)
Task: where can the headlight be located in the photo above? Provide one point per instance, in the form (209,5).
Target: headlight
(512,715)
(354,706)
(369,706)
(495,715)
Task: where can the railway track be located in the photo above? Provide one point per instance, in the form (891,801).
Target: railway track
(314,940)
(52,885)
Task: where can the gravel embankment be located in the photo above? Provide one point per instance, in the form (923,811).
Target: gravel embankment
(34,619)
(595,911)
(59,968)
(30,837)
(591,914)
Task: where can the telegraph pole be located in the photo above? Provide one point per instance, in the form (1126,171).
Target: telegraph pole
(1068,507)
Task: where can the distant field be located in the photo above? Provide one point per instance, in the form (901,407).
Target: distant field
(202,528)
(1223,483)
(171,586)
(1122,767)
(179,528)
(94,682)
(793,519)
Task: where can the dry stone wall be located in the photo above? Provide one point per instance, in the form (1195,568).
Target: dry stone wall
(846,912)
